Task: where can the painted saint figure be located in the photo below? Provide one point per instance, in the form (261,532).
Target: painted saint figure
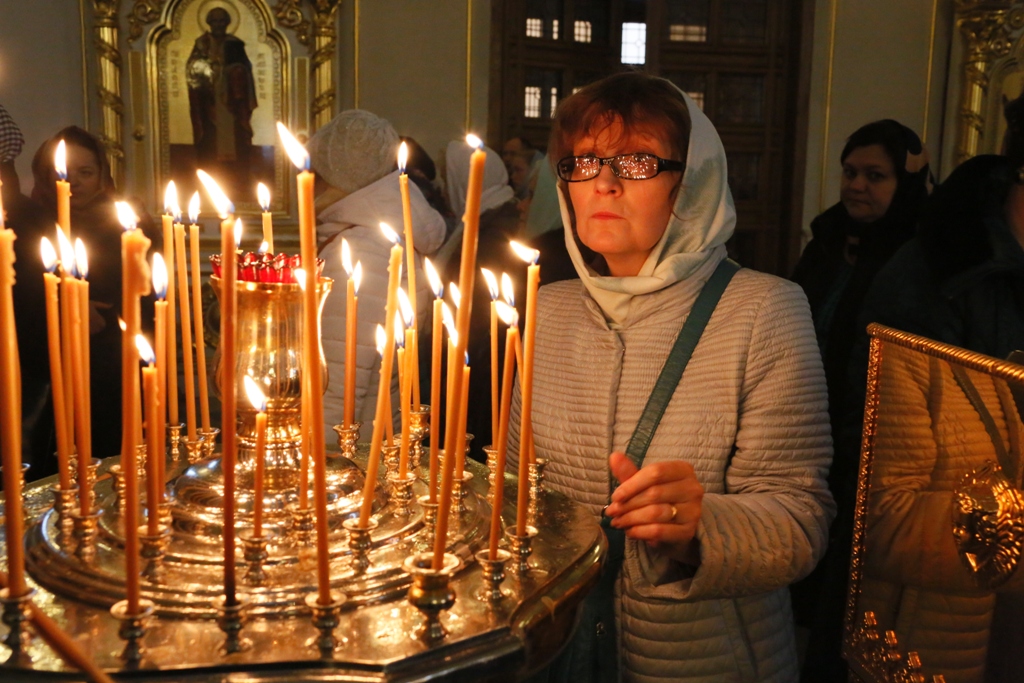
(222,96)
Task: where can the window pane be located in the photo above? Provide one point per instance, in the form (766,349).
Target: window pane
(743,174)
(531,109)
(744,21)
(740,99)
(545,87)
(542,18)
(582,31)
(693,84)
(688,20)
(554,29)
(597,14)
(634,43)
(553,101)
(534,27)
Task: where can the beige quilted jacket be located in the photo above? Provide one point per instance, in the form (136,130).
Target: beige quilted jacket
(750,415)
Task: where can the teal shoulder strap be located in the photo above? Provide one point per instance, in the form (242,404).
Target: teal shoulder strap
(678,358)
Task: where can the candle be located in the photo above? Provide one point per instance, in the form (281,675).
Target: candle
(83,409)
(460,432)
(435,374)
(150,390)
(304,440)
(530,334)
(67,283)
(50,284)
(63,189)
(449,324)
(467,271)
(355,276)
(228,308)
(263,195)
(311,311)
(259,402)
(410,254)
(10,420)
(384,385)
(508,293)
(197,310)
(492,288)
(186,331)
(510,318)
(407,379)
(170,204)
(76,371)
(160,339)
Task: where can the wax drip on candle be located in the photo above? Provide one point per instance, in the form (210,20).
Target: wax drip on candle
(60,163)
(263,196)
(48,254)
(433,278)
(159,276)
(193,208)
(146,353)
(508,292)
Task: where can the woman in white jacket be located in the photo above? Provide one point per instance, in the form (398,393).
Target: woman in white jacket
(715,505)
(357,189)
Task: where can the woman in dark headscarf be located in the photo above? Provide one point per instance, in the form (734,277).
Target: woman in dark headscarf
(94,220)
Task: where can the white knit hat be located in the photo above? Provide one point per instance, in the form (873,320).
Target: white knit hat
(353,150)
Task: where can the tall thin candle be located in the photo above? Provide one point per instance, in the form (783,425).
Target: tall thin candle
(467,272)
(410,255)
(170,203)
(355,276)
(186,331)
(492,289)
(526,444)
(160,341)
(67,283)
(508,315)
(63,189)
(10,420)
(197,311)
(437,343)
(50,284)
(259,402)
(263,195)
(82,376)
(150,390)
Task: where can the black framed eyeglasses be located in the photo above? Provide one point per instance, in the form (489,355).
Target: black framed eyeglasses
(637,166)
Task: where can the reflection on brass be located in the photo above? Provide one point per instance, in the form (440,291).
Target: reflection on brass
(325,619)
(132,629)
(431,592)
(109,88)
(879,656)
(989,29)
(988,525)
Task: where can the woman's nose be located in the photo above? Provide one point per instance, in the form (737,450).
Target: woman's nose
(606,181)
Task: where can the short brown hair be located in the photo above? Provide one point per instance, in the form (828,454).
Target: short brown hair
(639,101)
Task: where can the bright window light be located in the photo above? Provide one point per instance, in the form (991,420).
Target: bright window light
(634,43)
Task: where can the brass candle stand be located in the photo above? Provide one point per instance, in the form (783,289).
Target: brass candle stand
(255,555)
(231,620)
(209,441)
(15,616)
(429,521)
(460,491)
(117,476)
(536,478)
(132,629)
(390,455)
(85,529)
(492,467)
(195,449)
(325,619)
(419,427)
(359,543)
(151,549)
(401,491)
(521,549)
(348,438)
(64,501)
(431,592)
(493,574)
(174,441)
(302,525)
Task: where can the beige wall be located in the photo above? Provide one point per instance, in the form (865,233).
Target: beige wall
(412,66)
(40,71)
(881,55)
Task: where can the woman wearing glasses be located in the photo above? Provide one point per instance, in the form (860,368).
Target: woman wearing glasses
(679,397)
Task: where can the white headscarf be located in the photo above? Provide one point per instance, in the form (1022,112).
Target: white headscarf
(702,220)
(496,188)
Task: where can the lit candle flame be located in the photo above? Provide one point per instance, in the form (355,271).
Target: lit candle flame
(492,283)
(357,276)
(300,277)
(526,253)
(256,397)
(67,253)
(81,260)
(159,276)
(508,315)
(453,289)
(382,339)
(60,160)
(238,232)
(435,280)
(121,323)
(296,152)
(399,331)
(221,202)
(346,257)
(403,156)
(448,319)
(193,208)
(48,254)
(474,141)
(145,350)
(170,199)
(126,215)
(264,247)
(507,290)
(263,196)
(389,233)
(405,306)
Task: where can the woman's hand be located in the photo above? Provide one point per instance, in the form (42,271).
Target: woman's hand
(659,503)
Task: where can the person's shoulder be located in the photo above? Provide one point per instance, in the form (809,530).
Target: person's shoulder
(559,293)
(753,285)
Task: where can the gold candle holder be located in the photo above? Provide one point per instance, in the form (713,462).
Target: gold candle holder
(118,477)
(91,472)
(522,547)
(536,478)
(15,614)
(359,542)
(255,555)
(231,620)
(141,458)
(492,467)
(164,514)
(174,441)
(460,491)
(419,427)
(431,592)
(303,525)
(391,455)
(64,503)
(209,441)
(85,529)
(325,619)
(152,549)
(493,575)
(348,438)
(401,491)
(132,629)
(195,449)
(429,522)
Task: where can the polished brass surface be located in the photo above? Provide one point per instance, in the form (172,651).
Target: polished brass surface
(325,619)
(348,437)
(15,617)
(521,548)
(938,525)
(431,592)
(494,574)
(132,629)
(231,619)
(194,449)
(174,440)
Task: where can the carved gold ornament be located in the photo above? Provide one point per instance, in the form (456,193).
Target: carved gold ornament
(988,525)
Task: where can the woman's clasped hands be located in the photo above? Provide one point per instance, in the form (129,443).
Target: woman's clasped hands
(659,503)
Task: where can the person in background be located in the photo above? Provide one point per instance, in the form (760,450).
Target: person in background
(357,188)
(884,183)
(94,220)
